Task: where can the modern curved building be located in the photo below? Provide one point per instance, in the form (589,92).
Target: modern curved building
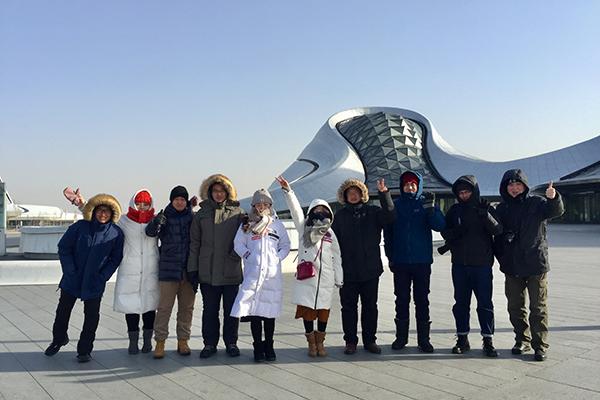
(373,142)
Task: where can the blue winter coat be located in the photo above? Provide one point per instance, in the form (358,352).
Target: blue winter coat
(174,242)
(89,253)
(408,240)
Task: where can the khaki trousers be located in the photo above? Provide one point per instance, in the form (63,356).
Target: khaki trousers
(185,309)
(535,328)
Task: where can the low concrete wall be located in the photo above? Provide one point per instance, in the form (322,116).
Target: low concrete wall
(41,242)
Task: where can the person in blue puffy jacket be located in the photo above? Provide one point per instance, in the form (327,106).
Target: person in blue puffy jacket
(409,249)
(90,252)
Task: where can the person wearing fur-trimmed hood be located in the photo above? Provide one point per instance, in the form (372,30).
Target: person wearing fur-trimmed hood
(137,289)
(318,248)
(213,262)
(358,227)
(262,243)
(90,252)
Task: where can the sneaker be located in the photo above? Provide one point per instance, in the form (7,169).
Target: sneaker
(520,348)
(350,348)
(83,358)
(208,351)
(232,350)
(372,348)
(540,355)
(53,348)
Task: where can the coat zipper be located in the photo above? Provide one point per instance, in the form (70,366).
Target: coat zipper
(320,268)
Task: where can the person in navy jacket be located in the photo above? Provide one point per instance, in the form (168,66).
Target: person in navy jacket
(409,249)
(90,252)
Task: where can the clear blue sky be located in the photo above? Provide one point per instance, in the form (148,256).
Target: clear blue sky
(112,96)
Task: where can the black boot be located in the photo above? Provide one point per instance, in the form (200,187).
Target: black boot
(147,335)
(401,334)
(423,336)
(269,351)
(134,337)
(462,344)
(488,347)
(259,351)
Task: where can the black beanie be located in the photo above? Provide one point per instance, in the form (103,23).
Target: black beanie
(179,191)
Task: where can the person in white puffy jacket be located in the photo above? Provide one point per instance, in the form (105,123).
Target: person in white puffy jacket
(136,289)
(318,245)
(262,243)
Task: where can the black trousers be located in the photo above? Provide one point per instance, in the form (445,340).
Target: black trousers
(211,299)
(349,295)
(133,321)
(91,312)
(418,276)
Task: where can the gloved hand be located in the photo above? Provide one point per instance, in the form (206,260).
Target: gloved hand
(161,218)
(428,200)
(194,280)
(482,208)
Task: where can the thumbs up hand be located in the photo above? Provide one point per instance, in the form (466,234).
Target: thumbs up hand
(550,191)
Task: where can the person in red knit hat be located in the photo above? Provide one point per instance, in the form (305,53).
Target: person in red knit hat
(137,289)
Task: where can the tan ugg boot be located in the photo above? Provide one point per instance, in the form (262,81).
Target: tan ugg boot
(312,344)
(182,347)
(319,339)
(159,349)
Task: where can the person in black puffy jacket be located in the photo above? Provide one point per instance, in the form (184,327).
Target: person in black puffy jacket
(172,226)
(471,224)
(522,251)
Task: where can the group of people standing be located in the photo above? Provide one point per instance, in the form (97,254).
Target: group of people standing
(173,254)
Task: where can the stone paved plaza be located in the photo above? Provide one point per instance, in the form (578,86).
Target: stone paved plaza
(571,371)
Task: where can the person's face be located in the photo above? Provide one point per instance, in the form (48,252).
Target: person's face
(515,188)
(218,193)
(103,214)
(321,210)
(179,203)
(410,187)
(261,207)
(353,195)
(142,206)
(464,195)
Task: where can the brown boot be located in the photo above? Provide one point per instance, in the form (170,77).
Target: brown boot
(182,347)
(159,349)
(312,344)
(320,338)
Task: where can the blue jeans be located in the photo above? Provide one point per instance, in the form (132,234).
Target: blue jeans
(478,280)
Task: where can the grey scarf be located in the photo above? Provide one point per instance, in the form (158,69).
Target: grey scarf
(258,223)
(315,232)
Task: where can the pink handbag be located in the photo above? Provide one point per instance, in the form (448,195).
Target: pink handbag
(307,269)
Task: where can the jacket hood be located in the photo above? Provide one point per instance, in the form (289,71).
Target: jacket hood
(347,184)
(420,185)
(102,199)
(469,180)
(132,201)
(223,180)
(513,175)
(320,202)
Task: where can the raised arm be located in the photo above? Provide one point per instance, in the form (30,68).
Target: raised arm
(292,203)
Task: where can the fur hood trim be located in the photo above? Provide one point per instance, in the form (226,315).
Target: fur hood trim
(347,184)
(102,199)
(223,180)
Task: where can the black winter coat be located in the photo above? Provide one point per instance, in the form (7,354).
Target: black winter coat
(470,227)
(358,230)
(174,242)
(522,249)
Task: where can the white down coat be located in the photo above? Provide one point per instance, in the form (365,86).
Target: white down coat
(261,290)
(316,292)
(136,290)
